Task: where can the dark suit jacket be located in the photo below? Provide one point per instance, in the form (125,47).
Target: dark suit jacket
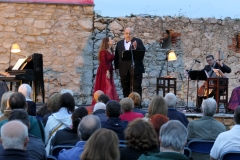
(224,68)
(173,114)
(125,66)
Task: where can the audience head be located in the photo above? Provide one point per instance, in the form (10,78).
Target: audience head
(53,102)
(43,110)
(17,101)
(20,115)
(88,125)
(4,100)
(113,109)
(25,89)
(136,98)
(170,99)
(98,106)
(140,135)
(14,135)
(103,144)
(77,116)
(173,136)
(157,106)
(236,116)
(209,107)
(97,94)
(127,104)
(103,98)
(66,91)
(67,101)
(157,121)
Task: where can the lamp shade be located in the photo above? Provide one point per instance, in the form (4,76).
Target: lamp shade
(172,56)
(15,48)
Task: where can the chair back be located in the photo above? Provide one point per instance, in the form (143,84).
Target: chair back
(51,158)
(122,143)
(187,152)
(56,149)
(200,146)
(231,155)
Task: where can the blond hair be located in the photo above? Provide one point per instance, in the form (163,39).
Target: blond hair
(157,105)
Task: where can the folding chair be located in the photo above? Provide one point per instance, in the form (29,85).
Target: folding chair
(231,155)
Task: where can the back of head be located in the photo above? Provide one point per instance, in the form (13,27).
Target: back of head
(53,102)
(209,107)
(113,109)
(88,125)
(127,104)
(140,135)
(157,121)
(97,94)
(4,100)
(135,97)
(25,89)
(173,136)
(77,116)
(19,114)
(67,101)
(236,116)
(103,144)
(103,98)
(157,105)
(17,101)
(98,106)
(170,99)
(14,135)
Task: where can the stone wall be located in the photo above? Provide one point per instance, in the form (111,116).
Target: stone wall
(62,33)
(195,38)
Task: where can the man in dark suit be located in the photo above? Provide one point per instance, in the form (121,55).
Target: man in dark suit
(212,64)
(124,67)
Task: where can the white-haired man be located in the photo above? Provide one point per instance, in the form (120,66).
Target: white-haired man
(173,114)
(14,139)
(172,137)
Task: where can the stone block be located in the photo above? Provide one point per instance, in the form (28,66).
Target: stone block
(115,26)
(39,24)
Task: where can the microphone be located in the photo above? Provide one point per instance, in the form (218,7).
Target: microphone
(197,61)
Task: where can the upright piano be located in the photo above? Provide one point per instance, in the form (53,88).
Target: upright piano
(30,72)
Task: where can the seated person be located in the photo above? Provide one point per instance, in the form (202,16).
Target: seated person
(173,114)
(94,100)
(137,102)
(229,140)
(69,134)
(103,98)
(5,108)
(113,111)
(127,105)
(140,139)
(100,111)
(88,125)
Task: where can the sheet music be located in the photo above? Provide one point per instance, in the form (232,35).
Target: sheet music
(19,64)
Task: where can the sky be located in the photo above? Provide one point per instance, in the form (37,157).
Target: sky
(188,8)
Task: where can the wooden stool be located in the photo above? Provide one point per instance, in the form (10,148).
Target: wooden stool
(166,84)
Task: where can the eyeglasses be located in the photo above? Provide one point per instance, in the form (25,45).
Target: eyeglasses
(128,33)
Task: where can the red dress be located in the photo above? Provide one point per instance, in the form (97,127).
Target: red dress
(101,81)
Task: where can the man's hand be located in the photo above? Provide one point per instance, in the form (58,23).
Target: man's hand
(134,44)
(117,72)
(219,62)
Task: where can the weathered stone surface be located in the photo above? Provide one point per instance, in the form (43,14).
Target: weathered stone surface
(115,26)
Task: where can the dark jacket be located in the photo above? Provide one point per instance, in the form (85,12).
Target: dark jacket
(139,111)
(133,154)
(115,124)
(125,66)
(173,114)
(14,154)
(101,114)
(31,109)
(65,136)
(164,156)
(224,68)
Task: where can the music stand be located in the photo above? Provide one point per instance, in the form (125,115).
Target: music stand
(198,75)
(133,55)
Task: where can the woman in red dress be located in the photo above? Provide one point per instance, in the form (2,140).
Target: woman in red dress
(104,77)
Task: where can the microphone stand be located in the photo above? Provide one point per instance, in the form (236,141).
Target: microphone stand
(186,107)
(132,69)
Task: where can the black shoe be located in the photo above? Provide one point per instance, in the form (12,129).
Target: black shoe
(198,110)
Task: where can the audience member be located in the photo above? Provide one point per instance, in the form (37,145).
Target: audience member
(127,105)
(61,119)
(157,106)
(69,134)
(94,100)
(102,145)
(18,101)
(157,121)
(100,111)
(103,98)
(113,110)
(86,128)
(14,139)
(43,110)
(26,90)
(4,106)
(140,139)
(137,102)
(229,140)
(3,89)
(35,147)
(173,114)
(173,137)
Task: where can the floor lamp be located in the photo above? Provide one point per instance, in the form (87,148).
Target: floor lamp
(171,56)
(14,49)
